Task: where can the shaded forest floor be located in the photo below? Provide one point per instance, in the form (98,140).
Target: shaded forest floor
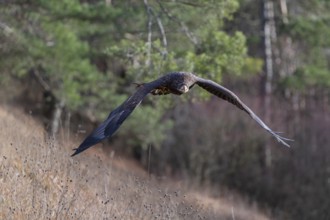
(39,180)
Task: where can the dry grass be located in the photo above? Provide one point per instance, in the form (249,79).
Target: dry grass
(39,180)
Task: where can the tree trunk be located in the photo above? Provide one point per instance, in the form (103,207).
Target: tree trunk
(56,119)
(284,11)
(269,34)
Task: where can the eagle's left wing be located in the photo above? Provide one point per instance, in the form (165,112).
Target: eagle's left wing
(229,96)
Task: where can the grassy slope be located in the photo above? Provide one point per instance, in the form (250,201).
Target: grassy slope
(39,180)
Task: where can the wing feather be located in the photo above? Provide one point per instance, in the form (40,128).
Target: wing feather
(231,97)
(117,117)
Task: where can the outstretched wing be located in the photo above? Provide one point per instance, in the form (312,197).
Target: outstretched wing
(116,117)
(229,96)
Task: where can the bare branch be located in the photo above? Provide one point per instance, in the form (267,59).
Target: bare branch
(188,3)
(184,27)
(162,32)
(40,80)
(149,31)
(160,26)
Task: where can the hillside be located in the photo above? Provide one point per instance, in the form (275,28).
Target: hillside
(39,180)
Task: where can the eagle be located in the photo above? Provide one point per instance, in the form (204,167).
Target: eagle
(176,83)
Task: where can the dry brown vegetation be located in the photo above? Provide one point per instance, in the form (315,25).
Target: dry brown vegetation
(39,180)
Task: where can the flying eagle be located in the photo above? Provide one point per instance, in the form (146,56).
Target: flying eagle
(176,83)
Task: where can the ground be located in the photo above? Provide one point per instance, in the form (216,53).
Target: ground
(39,180)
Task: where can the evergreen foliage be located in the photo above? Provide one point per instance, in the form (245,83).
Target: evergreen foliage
(90,52)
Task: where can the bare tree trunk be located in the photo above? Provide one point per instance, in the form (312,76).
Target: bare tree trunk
(284,11)
(57,108)
(269,35)
(288,63)
(55,123)
(287,66)
(67,123)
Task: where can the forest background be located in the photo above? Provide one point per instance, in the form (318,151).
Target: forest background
(70,62)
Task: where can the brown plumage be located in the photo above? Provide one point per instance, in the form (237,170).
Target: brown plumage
(176,83)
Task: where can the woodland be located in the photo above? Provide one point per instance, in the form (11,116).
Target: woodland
(70,62)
